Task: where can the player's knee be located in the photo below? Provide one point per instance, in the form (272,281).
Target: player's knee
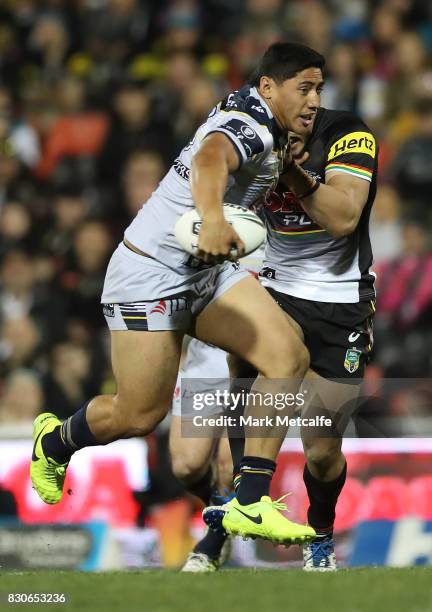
(292,361)
(322,453)
(147,423)
(134,418)
(186,469)
(302,361)
(239,368)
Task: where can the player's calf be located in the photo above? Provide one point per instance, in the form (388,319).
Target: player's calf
(319,554)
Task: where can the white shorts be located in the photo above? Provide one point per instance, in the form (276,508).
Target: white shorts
(141,294)
(207,366)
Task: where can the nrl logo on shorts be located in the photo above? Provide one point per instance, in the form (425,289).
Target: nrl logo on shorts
(352,360)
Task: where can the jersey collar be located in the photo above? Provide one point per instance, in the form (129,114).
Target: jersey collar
(280,136)
(254,92)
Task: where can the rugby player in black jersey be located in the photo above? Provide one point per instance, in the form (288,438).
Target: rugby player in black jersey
(317,268)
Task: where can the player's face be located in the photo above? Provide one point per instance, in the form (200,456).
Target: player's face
(295,102)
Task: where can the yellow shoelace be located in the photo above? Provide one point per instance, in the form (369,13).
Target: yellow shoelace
(278,505)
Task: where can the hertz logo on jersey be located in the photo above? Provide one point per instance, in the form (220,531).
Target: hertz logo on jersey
(355,142)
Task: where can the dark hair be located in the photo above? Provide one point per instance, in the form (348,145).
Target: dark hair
(284,60)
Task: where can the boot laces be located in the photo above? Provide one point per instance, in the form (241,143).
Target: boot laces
(278,505)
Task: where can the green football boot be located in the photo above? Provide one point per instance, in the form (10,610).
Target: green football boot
(262,519)
(47,475)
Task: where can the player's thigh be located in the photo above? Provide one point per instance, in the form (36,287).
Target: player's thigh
(145,366)
(239,368)
(189,456)
(246,321)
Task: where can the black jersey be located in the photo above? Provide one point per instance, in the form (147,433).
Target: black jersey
(304,260)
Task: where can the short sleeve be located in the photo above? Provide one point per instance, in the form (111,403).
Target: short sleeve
(353,152)
(244,135)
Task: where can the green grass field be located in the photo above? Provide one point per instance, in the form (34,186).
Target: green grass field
(356,590)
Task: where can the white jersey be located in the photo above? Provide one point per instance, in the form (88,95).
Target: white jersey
(253,262)
(247,121)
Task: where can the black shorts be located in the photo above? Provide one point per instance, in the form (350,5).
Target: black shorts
(338,336)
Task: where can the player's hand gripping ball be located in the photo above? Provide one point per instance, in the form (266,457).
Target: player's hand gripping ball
(246,224)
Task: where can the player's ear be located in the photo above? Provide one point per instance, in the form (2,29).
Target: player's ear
(266,87)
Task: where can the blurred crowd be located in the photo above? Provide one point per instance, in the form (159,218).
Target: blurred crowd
(96,99)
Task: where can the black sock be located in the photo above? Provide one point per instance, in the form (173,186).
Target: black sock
(323,498)
(241,387)
(237,446)
(236,478)
(73,434)
(211,544)
(256,475)
(203,487)
(235,432)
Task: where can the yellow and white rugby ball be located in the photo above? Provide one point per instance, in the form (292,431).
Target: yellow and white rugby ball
(246,223)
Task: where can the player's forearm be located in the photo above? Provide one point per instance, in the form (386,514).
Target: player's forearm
(209,176)
(331,208)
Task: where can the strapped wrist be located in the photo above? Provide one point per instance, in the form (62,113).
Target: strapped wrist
(310,191)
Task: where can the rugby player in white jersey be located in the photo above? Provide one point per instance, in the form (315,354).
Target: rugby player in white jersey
(203,464)
(154,292)
(317,268)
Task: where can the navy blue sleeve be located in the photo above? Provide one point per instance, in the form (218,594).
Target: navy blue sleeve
(245,139)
